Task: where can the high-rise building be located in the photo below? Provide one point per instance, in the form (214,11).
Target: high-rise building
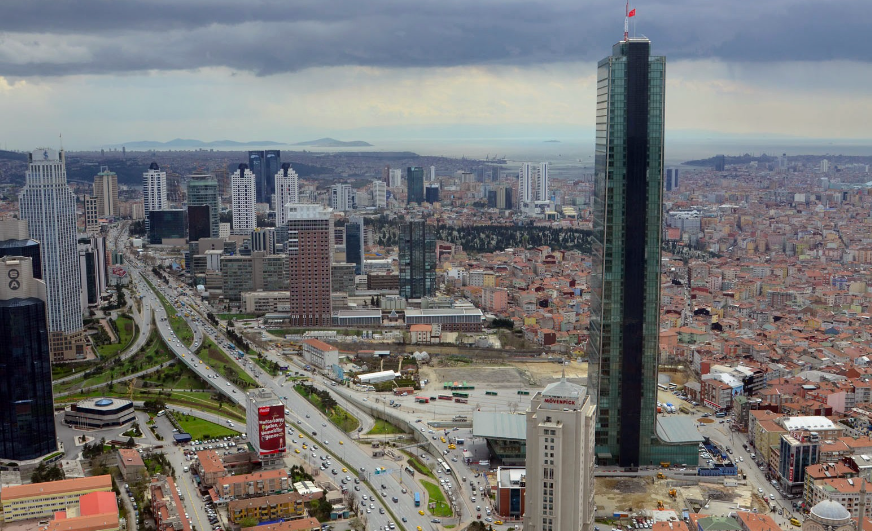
(243,185)
(265,424)
(154,190)
(287,189)
(432,173)
(354,236)
(533,183)
(560,459)
(431,194)
(720,162)
(203,191)
(379,194)
(264,239)
(825,166)
(272,164)
(49,206)
(415,185)
(92,220)
(417,256)
(668,185)
(92,269)
(625,313)
(343,197)
(395,178)
(167,225)
(106,192)
(27,428)
(500,197)
(675,179)
(256,165)
(310,254)
(15,241)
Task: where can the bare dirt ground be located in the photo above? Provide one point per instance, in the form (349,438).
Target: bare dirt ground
(541,374)
(621,494)
(498,377)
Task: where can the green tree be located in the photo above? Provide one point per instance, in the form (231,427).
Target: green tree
(248,521)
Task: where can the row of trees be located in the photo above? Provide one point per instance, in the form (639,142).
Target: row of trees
(44,473)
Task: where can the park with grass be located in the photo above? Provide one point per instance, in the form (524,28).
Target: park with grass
(200,429)
(218,360)
(435,496)
(418,466)
(127,332)
(325,403)
(383,427)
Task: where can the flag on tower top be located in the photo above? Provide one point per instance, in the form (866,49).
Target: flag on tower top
(632,13)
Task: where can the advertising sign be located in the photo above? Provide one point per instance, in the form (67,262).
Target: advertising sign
(271,429)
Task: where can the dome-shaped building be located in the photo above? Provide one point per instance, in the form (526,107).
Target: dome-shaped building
(829,516)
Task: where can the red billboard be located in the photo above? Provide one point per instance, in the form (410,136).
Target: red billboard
(271,428)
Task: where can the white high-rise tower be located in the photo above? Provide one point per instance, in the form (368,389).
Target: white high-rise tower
(560,459)
(243,186)
(287,192)
(533,183)
(49,206)
(154,190)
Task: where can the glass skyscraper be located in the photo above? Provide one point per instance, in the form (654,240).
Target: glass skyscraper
(624,325)
(354,237)
(203,191)
(417,255)
(272,163)
(27,429)
(415,185)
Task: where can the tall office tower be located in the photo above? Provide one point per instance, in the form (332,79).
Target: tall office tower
(310,254)
(343,197)
(354,236)
(720,162)
(825,166)
(415,185)
(431,194)
(106,192)
(15,241)
(432,173)
(560,459)
(417,256)
(222,177)
(669,180)
(386,174)
(49,206)
(624,324)
(379,194)
(265,421)
(675,179)
(395,179)
(203,191)
(256,164)
(92,220)
(264,239)
(91,265)
(533,183)
(287,187)
(27,428)
(272,163)
(243,185)
(154,191)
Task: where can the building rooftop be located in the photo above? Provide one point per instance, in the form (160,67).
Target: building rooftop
(808,423)
(54,488)
(210,462)
(499,425)
(130,457)
(677,430)
(318,344)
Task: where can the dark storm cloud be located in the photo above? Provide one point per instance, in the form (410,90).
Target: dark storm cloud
(47,37)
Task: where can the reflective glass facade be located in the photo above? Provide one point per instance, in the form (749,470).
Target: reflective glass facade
(203,191)
(27,428)
(354,244)
(624,327)
(272,163)
(415,185)
(417,255)
(170,224)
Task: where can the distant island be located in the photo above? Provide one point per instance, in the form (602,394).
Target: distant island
(551,142)
(182,143)
(332,142)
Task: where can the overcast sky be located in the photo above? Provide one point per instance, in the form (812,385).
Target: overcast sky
(105,72)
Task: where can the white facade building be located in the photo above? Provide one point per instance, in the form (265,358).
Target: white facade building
(49,206)
(343,197)
(432,173)
(533,183)
(379,194)
(287,191)
(154,190)
(560,459)
(395,178)
(243,196)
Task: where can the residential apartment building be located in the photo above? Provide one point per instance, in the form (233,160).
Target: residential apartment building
(41,500)
(106,192)
(320,354)
(252,485)
(166,505)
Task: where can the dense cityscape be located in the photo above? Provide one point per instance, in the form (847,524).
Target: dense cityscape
(328,335)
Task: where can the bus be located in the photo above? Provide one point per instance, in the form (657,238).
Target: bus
(673,386)
(422,400)
(462,400)
(459,394)
(445,397)
(662,387)
(417,499)
(491,393)
(446,468)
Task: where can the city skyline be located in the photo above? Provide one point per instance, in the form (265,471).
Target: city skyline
(742,71)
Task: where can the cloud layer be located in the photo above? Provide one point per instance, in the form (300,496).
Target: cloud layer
(268,37)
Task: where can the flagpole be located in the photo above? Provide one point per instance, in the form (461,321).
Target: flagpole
(627,22)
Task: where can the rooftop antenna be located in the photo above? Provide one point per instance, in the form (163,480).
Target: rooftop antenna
(628,14)
(61,136)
